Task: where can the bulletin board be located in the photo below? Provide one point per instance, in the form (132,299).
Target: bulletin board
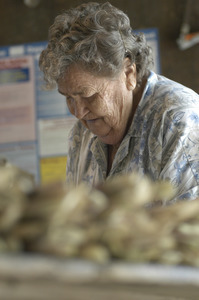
(34,123)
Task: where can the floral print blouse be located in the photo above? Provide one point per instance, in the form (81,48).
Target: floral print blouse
(162,142)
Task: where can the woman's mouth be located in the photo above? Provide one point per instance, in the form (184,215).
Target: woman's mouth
(92,120)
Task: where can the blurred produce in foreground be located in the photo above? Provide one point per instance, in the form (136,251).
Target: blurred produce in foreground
(124,218)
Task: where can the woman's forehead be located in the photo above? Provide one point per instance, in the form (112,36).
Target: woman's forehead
(78,81)
(77,85)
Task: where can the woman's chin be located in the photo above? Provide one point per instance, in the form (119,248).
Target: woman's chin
(98,127)
(105,133)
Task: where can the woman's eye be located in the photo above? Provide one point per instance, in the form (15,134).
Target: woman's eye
(68,98)
(90,98)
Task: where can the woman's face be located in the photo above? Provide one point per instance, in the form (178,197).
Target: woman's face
(103,105)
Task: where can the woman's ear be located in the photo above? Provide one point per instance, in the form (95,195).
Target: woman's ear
(130,73)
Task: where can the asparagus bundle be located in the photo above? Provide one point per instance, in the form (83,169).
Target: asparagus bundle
(126,218)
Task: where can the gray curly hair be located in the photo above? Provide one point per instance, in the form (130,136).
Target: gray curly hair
(96,36)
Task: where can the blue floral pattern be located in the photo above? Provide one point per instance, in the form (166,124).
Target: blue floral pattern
(162,142)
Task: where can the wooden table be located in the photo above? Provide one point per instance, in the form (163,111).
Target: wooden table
(36,277)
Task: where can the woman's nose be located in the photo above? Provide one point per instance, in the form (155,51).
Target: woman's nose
(80,109)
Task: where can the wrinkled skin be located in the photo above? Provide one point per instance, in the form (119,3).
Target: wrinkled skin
(102,104)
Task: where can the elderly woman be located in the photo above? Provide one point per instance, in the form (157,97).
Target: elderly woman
(129,118)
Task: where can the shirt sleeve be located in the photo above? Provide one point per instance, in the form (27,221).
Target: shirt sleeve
(180,156)
(73,155)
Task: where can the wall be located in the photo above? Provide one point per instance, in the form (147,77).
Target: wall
(21,24)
